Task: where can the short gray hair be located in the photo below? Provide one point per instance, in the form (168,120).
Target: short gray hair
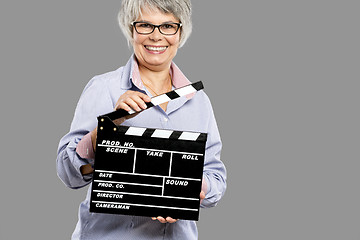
(131,9)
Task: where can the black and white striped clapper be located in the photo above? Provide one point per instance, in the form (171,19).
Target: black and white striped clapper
(179,92)
(148,172)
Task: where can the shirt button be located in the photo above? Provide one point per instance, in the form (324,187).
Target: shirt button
(166,119)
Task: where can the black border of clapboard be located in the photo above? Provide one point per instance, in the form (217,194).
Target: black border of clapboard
(142,184)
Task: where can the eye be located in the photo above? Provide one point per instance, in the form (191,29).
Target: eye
(168,26)
(144,25)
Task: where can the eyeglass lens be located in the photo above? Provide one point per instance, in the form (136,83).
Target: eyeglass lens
(147,28)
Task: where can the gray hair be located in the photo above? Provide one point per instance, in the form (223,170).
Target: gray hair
(131,9)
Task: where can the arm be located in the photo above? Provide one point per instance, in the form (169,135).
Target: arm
(94,101)
(214,170)
(74,166)
(86,149)
(69,162)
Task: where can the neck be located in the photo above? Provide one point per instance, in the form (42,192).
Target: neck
(157,79)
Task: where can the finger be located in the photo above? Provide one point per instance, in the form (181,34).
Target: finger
(141,95)
(129,104)
(161,219)
(144,97)
(202,196)
(136,100)
(153,218)
(133,104)
(171,220)
(139,101)
(128,95)
(122,105)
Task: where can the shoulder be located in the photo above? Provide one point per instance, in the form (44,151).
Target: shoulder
(97,92)
(117,79)
(202,98)
(106,84)
(200,107)
(106,79)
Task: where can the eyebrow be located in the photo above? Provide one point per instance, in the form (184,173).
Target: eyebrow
(155,24)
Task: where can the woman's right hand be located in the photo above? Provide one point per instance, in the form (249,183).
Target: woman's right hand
(129,100)
(132,100)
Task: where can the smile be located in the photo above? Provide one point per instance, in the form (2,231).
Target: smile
(155,49)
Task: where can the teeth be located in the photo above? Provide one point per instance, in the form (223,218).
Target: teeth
(155,48)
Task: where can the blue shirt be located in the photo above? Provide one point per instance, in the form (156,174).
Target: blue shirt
(99,97)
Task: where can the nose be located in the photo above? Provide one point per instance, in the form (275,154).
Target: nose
(156,34)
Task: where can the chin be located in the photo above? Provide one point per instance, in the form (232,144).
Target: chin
(157,61)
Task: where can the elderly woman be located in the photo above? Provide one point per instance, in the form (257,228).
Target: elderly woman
(155,29)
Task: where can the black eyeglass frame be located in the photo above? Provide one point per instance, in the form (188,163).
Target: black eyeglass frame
(157,26)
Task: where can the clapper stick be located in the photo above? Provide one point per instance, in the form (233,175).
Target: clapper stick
(166,97)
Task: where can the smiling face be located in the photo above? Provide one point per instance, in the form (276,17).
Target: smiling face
(155,51)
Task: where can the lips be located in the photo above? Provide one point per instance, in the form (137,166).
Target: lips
(157,49)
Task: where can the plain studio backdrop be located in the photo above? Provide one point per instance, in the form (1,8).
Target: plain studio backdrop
(283,78)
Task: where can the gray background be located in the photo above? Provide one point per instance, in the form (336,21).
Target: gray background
(283,77)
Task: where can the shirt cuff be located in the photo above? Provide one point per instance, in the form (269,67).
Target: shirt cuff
(85,148)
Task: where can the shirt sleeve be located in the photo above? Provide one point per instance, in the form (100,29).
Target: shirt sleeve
(94,101)
(214,170)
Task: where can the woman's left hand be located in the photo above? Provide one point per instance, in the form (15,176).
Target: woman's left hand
(165,220)
(171,220)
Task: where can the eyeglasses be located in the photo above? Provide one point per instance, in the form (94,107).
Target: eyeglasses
(148,28)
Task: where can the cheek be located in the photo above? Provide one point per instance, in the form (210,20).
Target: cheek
(175,40)
(137,39)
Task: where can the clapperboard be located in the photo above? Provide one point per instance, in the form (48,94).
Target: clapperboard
(148,172)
